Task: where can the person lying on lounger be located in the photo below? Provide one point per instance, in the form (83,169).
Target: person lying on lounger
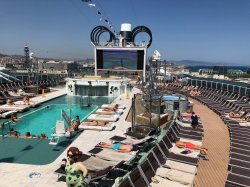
(111,108)
(27,101)
(235,114)
(190,145)
(95,123)
(125,148)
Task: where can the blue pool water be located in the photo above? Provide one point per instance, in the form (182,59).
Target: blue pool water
(37,120)
(44,119)
(170,98)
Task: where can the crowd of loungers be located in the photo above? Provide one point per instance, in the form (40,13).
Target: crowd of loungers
(234,110)
(104,118)
(167,164)
(16,90)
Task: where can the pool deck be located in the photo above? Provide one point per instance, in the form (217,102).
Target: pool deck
(18,174)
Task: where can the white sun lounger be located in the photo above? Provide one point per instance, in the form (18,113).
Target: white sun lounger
(112,105)
(112,155)
(101,111)
(18,108)
(181,166)
(245,124)
(95,163)
(107,127)
(177,150)
(177,176)
(161,182)
(182,123)
(7,114)
(35,104)
(102,117)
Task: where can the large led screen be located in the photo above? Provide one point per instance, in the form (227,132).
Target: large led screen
(130,60)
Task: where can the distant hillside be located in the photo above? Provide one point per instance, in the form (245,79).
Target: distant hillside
(2,55)
(204,63)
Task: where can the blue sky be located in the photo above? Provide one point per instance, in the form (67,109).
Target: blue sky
(207,30)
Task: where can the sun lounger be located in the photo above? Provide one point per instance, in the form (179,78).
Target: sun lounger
(156,162)
(112,155)
(112,105)
(168,174)
(101,117)
(7,113)
(101,111)
(238,180)
(161,182)
(177,176)
(162,153)
(19,108)
(240,171)
(34,104)
(108,127)
(138,178)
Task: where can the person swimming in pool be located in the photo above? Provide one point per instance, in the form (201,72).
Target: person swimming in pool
(43,136)
(125,148)
(190,145)
(27,135)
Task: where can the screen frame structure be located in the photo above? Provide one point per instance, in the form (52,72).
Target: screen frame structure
(141,51)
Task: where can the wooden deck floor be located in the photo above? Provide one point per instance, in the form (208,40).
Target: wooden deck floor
(216,138)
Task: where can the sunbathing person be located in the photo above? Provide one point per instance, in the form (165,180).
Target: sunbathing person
(111,108)
(10,102)
(95,123)
(236,114)
(124,148)
(27,101)
(27,136)
(74,125)
(190,145)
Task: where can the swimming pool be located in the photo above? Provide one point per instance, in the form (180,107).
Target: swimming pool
(172,98)
(38,151)
(44,119)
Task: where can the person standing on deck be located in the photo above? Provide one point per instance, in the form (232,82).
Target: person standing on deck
(194,120)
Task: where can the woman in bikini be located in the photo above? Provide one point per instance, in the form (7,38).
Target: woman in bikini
(190,145)
(96,123)
(111,108)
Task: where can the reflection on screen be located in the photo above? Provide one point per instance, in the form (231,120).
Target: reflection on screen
(120,60)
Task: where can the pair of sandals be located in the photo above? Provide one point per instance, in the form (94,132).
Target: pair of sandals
(34,175)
